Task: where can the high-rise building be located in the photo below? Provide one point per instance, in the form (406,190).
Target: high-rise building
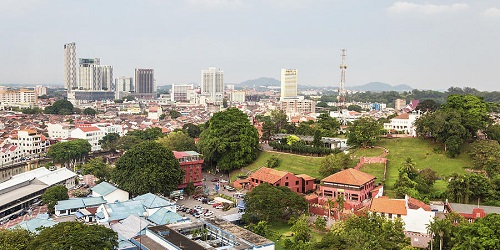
(144,81)
(93,76)
(212,84)
(41,90)
(289,83)
(179,92)
(69,66)
(123,86)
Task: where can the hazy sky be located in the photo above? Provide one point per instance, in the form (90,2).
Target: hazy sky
(431,44)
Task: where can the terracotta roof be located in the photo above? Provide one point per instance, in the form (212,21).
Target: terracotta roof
(402,116)
(268,175)
(89,129)
(350,176)
(306,177)
(179,155)
(389,206)
(416,204)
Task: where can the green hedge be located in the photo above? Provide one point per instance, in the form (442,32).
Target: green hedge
(299,148)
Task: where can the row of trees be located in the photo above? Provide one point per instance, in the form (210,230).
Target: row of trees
(64,235)
(300,148)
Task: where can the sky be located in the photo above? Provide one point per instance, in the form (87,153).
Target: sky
(431,44)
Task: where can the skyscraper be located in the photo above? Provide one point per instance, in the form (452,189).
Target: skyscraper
(289,83)
(69,66)
(212,84)
(144,81)
(123,86)
(89,74)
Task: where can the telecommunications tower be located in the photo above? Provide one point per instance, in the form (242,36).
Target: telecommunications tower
(342,91)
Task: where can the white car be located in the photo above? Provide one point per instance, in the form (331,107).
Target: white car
(219,207)
(209,213)
(210,202)
(181,197)
(199,199)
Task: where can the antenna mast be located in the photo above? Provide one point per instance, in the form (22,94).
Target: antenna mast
(342,91)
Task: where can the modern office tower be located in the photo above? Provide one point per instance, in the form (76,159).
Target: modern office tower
(106,77)
(69,66)
(212,84)
(89,74)
(289,83)
(123,86)
(144,81)
(179,92)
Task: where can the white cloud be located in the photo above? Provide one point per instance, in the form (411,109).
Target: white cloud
(426,8)
(491,13)
(215,4)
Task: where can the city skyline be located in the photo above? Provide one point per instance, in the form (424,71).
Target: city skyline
(427,46)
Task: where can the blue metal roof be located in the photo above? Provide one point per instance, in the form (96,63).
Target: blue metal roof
(150,200)
(104,188)
(122,210)
(75,203)
(33,224)
(164,216)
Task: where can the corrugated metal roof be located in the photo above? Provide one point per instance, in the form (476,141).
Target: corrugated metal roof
(150,200)
(122,210)
(104,188)
(75,203)
(56,176)
(33,224)
(164,216)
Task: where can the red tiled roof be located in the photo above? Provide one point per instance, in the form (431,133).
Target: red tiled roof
(350,176)
(416,204)
(402,116)
(179,155)
(306,177)
(268,175)
(89,129)
(389,206)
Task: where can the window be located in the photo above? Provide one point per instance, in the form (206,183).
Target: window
(297,183)
(286,184)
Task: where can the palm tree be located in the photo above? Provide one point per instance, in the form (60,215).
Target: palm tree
(340,204)
(204,233)
(330,203)
(439,227)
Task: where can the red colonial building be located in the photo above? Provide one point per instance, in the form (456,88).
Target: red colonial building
(191,162)
(297,183)
(354,185)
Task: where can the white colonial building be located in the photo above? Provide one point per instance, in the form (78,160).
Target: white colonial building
(404,123)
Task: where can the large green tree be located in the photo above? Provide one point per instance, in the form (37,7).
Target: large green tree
(271,203)
(468,187)
(192,130)
(150,134)
(486,156)
(69,150)
(54,194)
(97,167)
(109,141)
(334,163)
(15,239)
(75,236)
(127,142)
(484,233)
(60,107)
(178,141)
(148,167)
(328,125)
(229,140)
(370,232)
(89,111)
(363,132)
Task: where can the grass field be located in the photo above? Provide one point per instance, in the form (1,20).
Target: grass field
(423,154)
(367,152)
(284,229)
(296,164)
(376,169)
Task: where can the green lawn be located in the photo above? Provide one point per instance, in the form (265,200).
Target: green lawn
(423,154)
(296,164)
(367,152)
(284,229)
(376,169)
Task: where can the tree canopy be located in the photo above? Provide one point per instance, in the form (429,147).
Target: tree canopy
(60,107)
(192,130)
(69,150)
(15,239)
(148,167)
(76,236)
(178,141)
(97,167)
(334,163)
(54,194)
(89,111)
(229,140)
(270,203)
(109,141)
(147,134)
(363,132)
(370,232)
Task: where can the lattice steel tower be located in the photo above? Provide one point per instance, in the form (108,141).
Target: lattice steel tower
(343,68)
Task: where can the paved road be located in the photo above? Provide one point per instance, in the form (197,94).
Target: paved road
(36,210)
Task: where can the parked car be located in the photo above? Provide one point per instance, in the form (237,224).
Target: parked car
(229,188)
(199,199)
(209,213)
(23,212)
(215,205)
(181,197)
(13,217)
(215,179)
(196,215)
(211,202)
(198,207)
(220,206)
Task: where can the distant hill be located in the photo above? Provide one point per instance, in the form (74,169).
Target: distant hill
(262,81)
(380,86)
